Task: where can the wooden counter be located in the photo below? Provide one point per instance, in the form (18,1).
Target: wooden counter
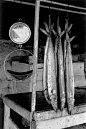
(21,103)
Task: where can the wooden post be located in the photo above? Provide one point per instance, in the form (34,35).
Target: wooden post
(6,117)
(85,62)
(15,86)
(85,48)
(1,19)
(36,37)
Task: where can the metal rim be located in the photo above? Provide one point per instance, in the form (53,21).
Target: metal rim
(6,73)
(14,26)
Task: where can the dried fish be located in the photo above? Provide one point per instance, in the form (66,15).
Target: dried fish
(45,87)
(67,29)
(51,77)
(56,50)
(69,75)
(59,56)
(69,80)
(61,76)
(65,52)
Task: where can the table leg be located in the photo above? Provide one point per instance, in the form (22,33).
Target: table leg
(6,116)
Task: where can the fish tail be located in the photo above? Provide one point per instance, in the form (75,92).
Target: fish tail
(47,96)
(54,105)
(62,104)
(70,105)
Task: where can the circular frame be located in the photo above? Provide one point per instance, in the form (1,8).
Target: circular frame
(5,70)
(19,33)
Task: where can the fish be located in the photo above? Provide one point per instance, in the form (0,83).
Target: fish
(56,50)
(59,64)
(67,29)
(69,75)
(65,52)
(70,80)
(45,87)
(61,74)
(51,76)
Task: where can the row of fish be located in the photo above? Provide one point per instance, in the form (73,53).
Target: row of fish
(58,77)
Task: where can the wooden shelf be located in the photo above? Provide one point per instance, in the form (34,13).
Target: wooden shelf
(21,103)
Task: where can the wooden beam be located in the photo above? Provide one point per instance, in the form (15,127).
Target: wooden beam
(46,115)
(62,122)
(47,1)
(18,109)
(6,116)
(12,125)
(62,4)
(49,7)
(35,56)
(36,38)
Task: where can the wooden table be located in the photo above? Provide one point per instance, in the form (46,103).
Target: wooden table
(45,117)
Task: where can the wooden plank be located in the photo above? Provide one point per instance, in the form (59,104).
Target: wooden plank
(36,37)
(6,116)
(12,125)
(39,86)
(62,122)
(40,66)
(46,115)
(39,74)
(23,87)
(26,85)
(79,76)
(20,110)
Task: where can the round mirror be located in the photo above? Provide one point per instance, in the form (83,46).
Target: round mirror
(18,65)
(19,33)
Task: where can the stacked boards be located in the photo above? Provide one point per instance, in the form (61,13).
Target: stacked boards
(58,76)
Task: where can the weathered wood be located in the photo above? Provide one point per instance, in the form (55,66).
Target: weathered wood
(48,7)
(46,115)
(36,37)
(6,116)
(26,85)
(79,77)
(12,125)
(62,122)
(20,110)
(15,86)
(42,115)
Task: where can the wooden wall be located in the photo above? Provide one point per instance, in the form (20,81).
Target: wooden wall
(26,85)
(78,76)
